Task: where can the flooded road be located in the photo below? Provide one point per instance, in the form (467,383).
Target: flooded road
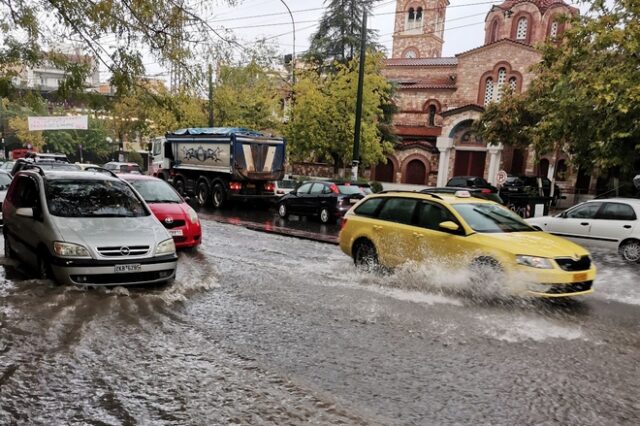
(268,329)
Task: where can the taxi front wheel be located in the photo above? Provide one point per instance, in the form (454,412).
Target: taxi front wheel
(365,256)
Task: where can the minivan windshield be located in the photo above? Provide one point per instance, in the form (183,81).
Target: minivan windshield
(486,218)
(155,191)
(92,198)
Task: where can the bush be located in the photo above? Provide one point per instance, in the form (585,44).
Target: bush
(376,186)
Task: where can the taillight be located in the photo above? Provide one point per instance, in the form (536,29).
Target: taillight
(485,191)
(235,186)
(269,186)
(334,188)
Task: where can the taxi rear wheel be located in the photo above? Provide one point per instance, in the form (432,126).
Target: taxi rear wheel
(630,251)
(365,256)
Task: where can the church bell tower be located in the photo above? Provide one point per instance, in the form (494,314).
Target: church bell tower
(419,27)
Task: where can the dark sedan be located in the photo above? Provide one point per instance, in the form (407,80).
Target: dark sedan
(529,185)
(327,200)
(474,182)
(483,193)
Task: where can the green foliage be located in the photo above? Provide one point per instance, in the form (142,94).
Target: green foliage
(324,115)
(340,31)
(247,96)
(585,98)
(135,157)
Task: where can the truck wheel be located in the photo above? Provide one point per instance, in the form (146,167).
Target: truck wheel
(202,192)
(219,195)
(179,185)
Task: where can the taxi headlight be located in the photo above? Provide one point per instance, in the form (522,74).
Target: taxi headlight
(193,216)
(70,250)
(534,261)
(166,247)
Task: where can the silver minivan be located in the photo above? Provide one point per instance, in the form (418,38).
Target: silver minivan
(85,228)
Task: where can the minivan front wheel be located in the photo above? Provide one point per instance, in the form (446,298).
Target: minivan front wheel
(8,251)
(44,267)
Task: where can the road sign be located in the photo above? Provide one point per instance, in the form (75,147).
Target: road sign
(501,177)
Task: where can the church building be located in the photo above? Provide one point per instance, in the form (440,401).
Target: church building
(438,98)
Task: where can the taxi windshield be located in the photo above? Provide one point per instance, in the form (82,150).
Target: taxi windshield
(487,218)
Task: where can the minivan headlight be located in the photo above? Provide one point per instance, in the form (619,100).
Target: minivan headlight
(69,250)
(166,247)
(534,261)
(193,216)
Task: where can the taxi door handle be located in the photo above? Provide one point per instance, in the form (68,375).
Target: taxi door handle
(377,228)
(584,223)
(417,235)
(627,226)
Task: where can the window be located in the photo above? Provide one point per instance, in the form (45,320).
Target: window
(317,188)
(521,30)
(432,215)
(617,211)
(304,189)
(488,91)
(487,218)
(561,170)
(584,211)
(410,54)
(513,84)
(25,193)
(414,18)
(502,76)
(432,115)
(494,31)
(398,210)
(369,208)
(553,31)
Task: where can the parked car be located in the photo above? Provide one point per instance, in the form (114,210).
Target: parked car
(327,200)
(482,193)
(392,228)
(122,168)
(5,181)
(607,223)
(22,164)
(473,182)
(7,166)
(529,185)
(170,208)
(85,228)
(285,186)
(45,156)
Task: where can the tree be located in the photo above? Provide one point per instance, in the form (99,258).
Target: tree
(585,98)
(325,115)
(340,31)
(248,96)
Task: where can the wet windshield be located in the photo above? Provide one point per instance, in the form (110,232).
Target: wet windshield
(93,198)
(349,189)
(156,191)
(5,180)
(491,218)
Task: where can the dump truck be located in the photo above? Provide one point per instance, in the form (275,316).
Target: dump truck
(220,164)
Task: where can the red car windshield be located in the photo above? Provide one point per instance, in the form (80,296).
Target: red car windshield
(156,191)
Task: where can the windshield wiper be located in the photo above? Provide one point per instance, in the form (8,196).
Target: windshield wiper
(496,220)
(164,201)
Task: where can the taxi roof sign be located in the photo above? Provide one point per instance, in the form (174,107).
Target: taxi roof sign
(463,194)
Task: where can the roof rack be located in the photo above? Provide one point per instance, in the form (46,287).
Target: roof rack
(30,166)
(101,170)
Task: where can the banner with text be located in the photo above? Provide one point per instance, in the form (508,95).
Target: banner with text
(74,122)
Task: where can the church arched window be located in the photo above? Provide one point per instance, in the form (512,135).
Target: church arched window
(494,32)
(502,76)
(432,115)
(488,91)
(419,15)
(553,31)
(513,84)
(521,30)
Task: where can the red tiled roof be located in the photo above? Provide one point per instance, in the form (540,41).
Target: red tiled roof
(503,40)
(417,130)
(412,84)
(418,62)
(543,5)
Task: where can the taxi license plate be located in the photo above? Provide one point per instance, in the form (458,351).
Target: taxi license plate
(580,277)
(134,267)
(175,232)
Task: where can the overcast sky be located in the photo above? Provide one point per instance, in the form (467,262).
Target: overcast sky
(464,26)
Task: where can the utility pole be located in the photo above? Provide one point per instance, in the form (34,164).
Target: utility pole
(210,96)
(356,133)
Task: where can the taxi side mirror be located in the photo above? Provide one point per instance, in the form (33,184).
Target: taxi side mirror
(449,226)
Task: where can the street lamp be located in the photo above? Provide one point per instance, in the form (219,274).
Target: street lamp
(293,58)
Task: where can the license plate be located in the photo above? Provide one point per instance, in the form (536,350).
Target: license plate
(175,232)
(580,277)
(251,185)
(134,267)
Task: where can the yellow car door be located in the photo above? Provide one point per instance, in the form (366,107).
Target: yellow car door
(392,230)
(431,241)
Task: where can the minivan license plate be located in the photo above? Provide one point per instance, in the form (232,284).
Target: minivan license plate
(134,267)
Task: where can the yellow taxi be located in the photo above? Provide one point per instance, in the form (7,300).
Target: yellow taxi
(391,228)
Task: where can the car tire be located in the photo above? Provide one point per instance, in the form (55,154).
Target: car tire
(630,251)
(202,193)
(179,185)
(44,267)
(365,256)
(218,195)
(325,216)
(485,269)
(283,211)
(8,251)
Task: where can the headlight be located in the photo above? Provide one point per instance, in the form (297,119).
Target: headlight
(166,247)
(70,250)
(193,216)
(534,262)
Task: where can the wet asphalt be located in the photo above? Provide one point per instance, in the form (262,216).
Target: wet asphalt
(262,328)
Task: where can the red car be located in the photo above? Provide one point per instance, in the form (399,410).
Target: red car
(170,208)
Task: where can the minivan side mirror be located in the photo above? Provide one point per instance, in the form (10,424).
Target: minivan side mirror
(449,226)
(25,212)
